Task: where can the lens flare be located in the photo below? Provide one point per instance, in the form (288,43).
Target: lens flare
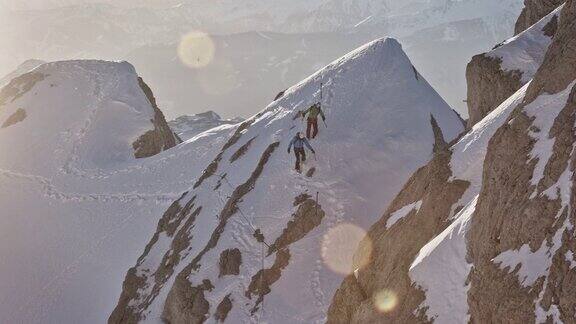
(385,301)
(346,248)
(196,49)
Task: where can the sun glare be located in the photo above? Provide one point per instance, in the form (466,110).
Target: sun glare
(196,49)
(385,301)
(342,251)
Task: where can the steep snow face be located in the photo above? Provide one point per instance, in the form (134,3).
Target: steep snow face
(77,207)
(380,115)
(187,127)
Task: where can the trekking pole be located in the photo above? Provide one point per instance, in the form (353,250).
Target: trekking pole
(316,207)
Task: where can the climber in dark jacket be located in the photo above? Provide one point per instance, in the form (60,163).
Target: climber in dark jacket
(298,142)
(313,112)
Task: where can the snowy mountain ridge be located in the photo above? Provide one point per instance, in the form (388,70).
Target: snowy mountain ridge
(207,243)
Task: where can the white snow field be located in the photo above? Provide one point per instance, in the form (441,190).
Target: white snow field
(379,132)
(76,207)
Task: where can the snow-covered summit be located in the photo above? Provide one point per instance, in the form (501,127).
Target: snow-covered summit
(76,204)
(83,114)
(384,121)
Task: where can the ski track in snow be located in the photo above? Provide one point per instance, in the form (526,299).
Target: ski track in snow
(52,192)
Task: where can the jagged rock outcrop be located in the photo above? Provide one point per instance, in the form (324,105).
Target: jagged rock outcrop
(395,246)
(223,309)
(161,137)
(187,304)
(494,76)
(526,210)
(503,247)
(533,11)
(230,261)
(488,86)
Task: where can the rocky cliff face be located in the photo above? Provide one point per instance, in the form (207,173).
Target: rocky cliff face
(522,234)
(533,11)
(494,76)
(161,137)
(488,86)
(499,246)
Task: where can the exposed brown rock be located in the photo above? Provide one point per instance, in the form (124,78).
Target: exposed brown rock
(159,139)
(20,86)
(488,86)
(187,304)
(551,27)
(230,208)
(345,301)
(395,248)
(241,151)
(533,11)
(223,309)
(507,217)
(18,116)
(230,261)
(263,280)
(213,166)
(559,67)
(168,224)
(307,217)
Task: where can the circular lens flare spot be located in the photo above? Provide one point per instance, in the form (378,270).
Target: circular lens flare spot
(346,248)
(385,301)
(196,49)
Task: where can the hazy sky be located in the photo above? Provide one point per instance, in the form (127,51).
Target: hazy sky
(439,35)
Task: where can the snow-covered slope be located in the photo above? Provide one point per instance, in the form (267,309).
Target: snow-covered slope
(384,121)
(186,127)
(492,237)
(76,205)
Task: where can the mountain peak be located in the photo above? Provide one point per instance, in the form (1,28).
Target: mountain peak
(378,129)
